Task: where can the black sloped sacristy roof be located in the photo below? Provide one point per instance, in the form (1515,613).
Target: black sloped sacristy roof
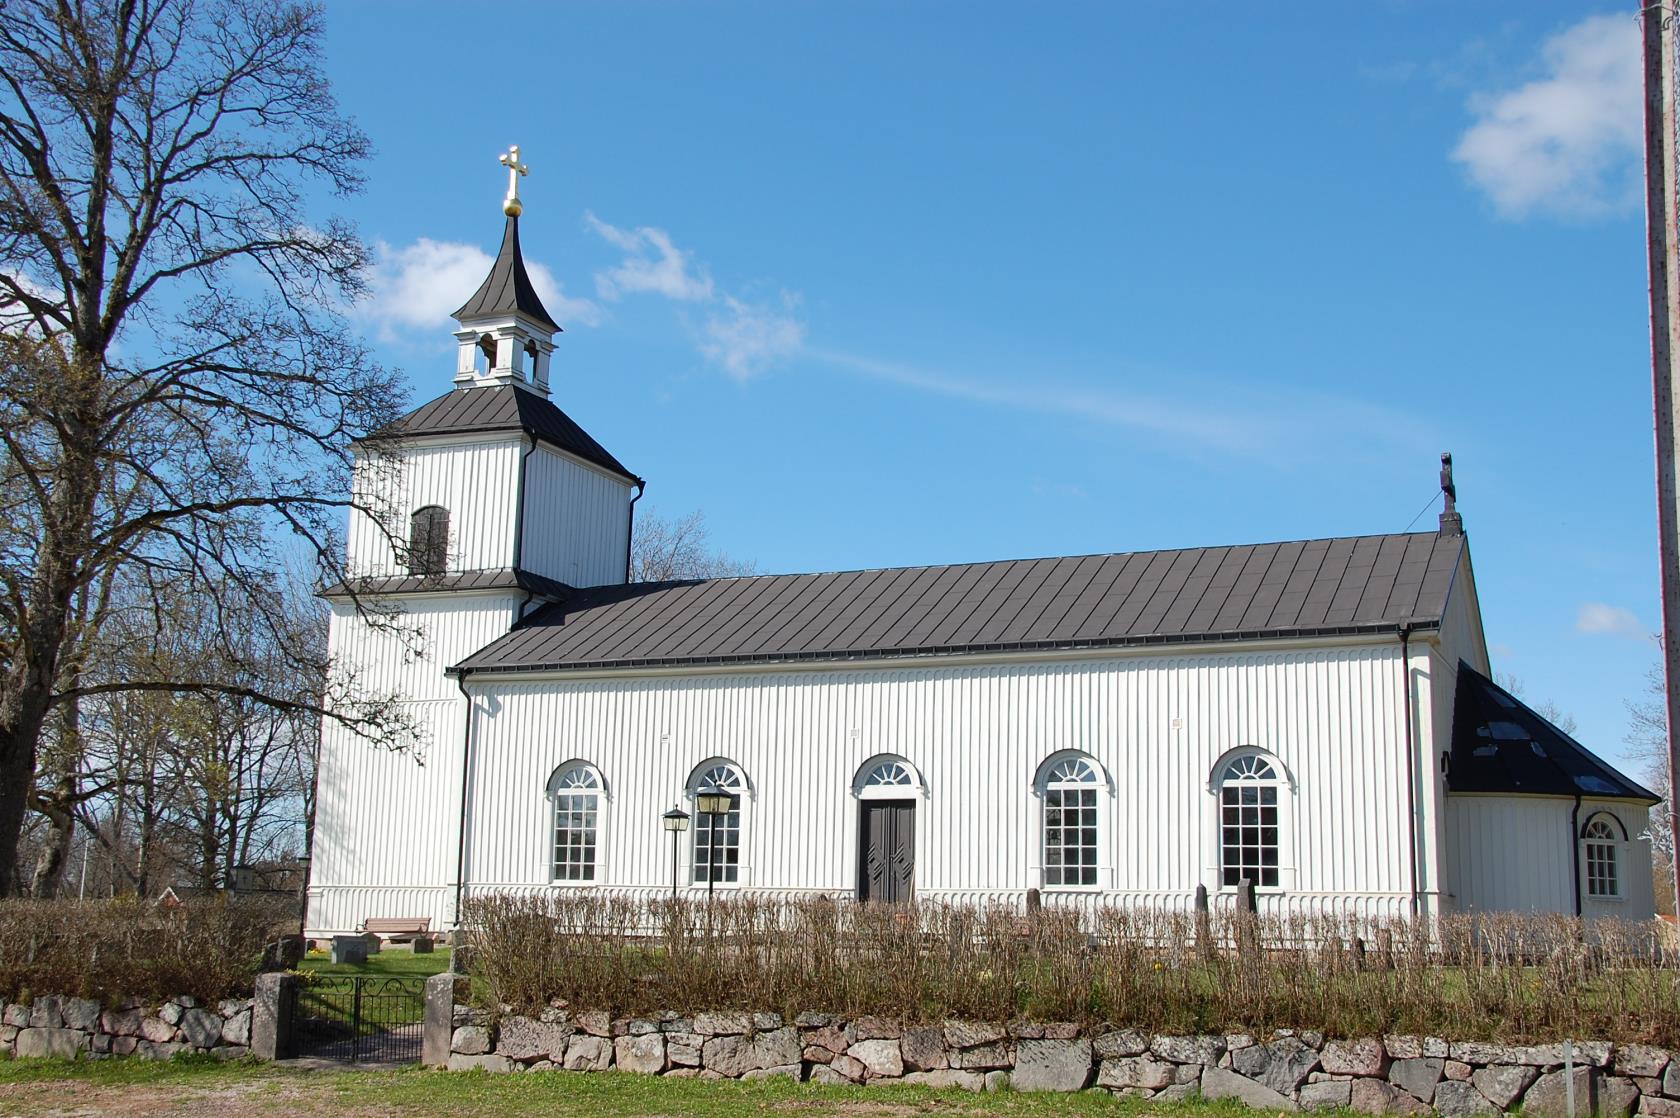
(1365,584)
(504,407)
(1500,745)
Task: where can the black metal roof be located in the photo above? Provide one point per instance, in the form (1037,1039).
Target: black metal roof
(508,287)
(504,407)
(504,578)
(1355,585)
(1501,745)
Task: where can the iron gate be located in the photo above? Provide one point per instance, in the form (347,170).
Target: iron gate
(359,1019)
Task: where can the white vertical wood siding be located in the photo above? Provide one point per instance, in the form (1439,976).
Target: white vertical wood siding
(977,735)
(577,521)
(385,835)
(1517,853)
(477,481)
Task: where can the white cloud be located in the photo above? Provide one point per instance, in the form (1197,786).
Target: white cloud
(416,287)
(1597,617)
(750,337)
(1568,142)
(655,265)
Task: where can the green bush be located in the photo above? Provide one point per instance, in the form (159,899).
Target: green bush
(126,948)
(1468,977)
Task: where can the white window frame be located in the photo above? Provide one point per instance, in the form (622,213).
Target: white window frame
(1045,781)
(561,783)
(1602,829)
(741,788)
(1283,786)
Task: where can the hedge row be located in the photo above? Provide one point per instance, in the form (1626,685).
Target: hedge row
(111,950)
(1477,978)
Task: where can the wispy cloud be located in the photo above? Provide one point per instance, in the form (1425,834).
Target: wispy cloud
(1278,422)
(1567,142)
(747,338)
(1608,620)
(655,265)
(416,287)
(741,336)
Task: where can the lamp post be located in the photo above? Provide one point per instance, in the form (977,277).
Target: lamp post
(712,802)
(676,821)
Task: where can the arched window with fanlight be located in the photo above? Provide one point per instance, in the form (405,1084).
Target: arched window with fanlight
(428,541)
(575,790)
(889,777)
(1070,786)
(1249,835)
(717,835)
(1601,848)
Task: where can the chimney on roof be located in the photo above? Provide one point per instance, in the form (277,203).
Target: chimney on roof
(1451,523)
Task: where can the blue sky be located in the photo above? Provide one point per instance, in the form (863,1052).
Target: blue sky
(885,284)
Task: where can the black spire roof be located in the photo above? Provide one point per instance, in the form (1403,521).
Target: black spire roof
(508,287)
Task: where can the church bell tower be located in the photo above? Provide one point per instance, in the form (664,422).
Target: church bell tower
(506,335)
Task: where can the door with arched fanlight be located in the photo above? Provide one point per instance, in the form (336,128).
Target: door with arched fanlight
(887,790)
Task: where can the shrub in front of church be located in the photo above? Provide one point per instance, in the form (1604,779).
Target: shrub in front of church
(1501,977)
(111,950)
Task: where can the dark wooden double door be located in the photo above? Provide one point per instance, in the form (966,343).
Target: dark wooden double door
(886,849)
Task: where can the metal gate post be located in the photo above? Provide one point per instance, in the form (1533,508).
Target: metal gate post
(356,1019)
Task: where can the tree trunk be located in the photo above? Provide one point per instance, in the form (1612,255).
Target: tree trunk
(27,692)
(59,808)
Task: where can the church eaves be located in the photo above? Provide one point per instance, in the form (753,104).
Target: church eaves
(508,288)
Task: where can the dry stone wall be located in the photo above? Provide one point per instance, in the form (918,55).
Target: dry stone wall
(1291,1071)
(79,1027)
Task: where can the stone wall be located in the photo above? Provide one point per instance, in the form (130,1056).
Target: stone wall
(72,1027)
(1294,1070)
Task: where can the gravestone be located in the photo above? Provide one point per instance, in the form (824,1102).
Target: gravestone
(349,949)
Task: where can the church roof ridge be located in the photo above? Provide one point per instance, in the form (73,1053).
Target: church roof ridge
(508,288)
(1044,558)
(1336,586)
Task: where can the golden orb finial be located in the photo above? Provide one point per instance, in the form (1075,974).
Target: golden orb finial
(511,205)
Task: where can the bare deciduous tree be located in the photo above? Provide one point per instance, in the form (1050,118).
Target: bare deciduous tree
(668,550)
(176,382)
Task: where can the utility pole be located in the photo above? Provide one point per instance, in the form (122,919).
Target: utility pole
(1661,215)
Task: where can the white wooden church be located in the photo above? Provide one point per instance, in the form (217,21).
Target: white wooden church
(1316,717)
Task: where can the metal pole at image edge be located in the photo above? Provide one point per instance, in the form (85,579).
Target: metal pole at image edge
(1664,265)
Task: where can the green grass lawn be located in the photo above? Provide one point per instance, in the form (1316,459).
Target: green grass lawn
(193,1087)
(393,962)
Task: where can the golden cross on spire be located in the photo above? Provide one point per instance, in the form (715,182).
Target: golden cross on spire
(511,205)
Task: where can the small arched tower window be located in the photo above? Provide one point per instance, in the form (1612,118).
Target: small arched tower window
(717,838)
(531,361)
(1248,821)
(428,541)
(576,790)
(1071,847)
(1601,842)
(487,346)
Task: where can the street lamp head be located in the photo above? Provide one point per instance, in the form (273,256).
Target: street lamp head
(713,801)
(676,819)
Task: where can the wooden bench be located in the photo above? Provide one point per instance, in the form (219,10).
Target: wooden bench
(397,929)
